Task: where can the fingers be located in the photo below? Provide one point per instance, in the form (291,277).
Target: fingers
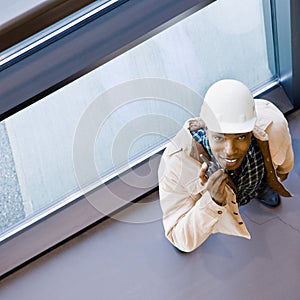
(216,185)
(203,177)
(214,178)
(218,180)
(223,178)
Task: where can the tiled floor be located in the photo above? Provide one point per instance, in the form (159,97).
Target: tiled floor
(132,260)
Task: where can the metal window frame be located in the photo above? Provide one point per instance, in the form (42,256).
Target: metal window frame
(286,26)
(37,19)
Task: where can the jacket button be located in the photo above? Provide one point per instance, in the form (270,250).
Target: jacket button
(220,212)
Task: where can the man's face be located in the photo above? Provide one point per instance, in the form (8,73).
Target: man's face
(229,149)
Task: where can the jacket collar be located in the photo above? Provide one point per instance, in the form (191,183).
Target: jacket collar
(183,141)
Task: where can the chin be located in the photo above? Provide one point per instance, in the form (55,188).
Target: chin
(233,167)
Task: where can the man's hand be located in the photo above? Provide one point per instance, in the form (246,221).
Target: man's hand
(215,184)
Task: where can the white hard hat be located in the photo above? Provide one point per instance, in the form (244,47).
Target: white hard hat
(228,107)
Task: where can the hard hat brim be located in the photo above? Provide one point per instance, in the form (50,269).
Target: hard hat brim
(231,128)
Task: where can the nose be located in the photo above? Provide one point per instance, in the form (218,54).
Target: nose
(230,148)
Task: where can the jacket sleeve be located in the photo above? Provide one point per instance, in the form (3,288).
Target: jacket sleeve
(189,213)
(280,142)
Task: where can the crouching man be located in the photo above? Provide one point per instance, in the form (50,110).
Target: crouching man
(246,153)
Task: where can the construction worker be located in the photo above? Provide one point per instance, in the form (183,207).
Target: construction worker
(246,153)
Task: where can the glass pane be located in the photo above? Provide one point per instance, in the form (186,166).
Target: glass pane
(126,110)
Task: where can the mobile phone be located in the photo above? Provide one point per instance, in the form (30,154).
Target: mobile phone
(213,166)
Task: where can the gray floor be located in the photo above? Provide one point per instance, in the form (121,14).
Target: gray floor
(119,260)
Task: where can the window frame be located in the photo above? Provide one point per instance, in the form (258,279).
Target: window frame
(288,27)
(37,19)
(27,81)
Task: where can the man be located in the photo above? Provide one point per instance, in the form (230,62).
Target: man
(249,142)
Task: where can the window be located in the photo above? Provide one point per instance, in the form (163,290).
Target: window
(90,130)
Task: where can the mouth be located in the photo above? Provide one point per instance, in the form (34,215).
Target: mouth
(230,163)
(230,160)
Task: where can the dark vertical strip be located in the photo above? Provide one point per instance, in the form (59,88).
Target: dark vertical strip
(288,30)
(295,36)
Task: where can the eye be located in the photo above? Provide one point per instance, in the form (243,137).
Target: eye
(217,138)
(242,137)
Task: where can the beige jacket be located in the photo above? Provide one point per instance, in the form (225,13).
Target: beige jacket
(189,213)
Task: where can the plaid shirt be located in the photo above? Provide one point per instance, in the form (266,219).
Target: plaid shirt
(252,169)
